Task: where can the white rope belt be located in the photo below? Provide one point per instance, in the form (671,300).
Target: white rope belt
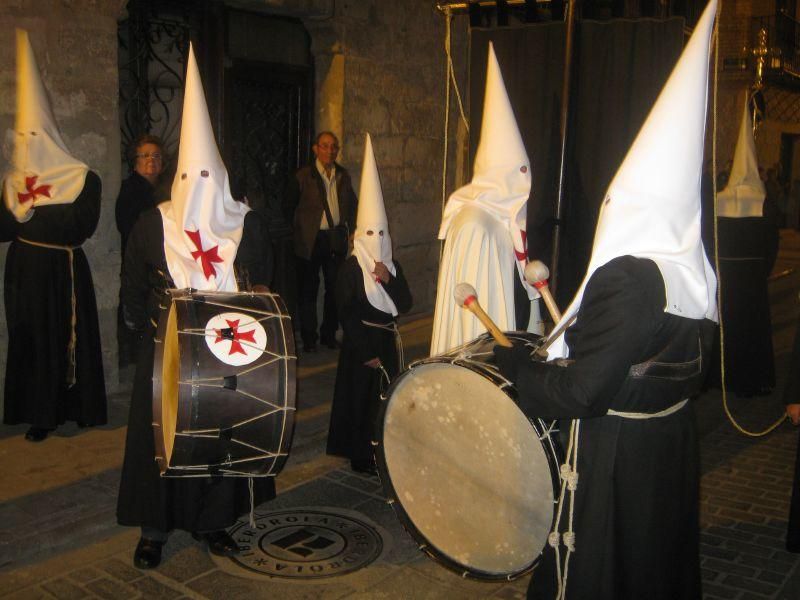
(637,415)
(398,341)
(71,376)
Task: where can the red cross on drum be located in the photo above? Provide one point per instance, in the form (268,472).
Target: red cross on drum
(235,338)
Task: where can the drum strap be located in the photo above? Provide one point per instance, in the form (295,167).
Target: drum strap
(71,371)
(569,483)
(637,415)
(398,341)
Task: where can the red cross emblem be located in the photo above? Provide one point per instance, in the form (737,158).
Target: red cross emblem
(33,192)
(207,257)
(234,335)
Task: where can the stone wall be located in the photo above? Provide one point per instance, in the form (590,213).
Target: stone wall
(75,42)
(380,69)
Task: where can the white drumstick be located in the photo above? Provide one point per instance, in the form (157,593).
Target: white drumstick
(536,273)
(466,297)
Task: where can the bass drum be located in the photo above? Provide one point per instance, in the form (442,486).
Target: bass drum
(473,480)
(223,385)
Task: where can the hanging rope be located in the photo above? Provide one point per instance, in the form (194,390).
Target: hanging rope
(449,79)
(725,406)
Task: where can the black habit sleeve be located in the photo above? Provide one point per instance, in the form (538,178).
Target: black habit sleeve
(254,257)
(619,314)
(397,288)
(9,226)
(135,270)
(349,282)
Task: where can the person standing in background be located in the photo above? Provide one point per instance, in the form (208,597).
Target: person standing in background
(321,204)
(136,195)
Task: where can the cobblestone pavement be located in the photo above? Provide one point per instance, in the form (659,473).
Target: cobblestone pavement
(59,538)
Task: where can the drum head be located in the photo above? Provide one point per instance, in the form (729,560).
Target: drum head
(470,477)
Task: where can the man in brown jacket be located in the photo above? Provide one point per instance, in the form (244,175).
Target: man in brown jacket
(322,206)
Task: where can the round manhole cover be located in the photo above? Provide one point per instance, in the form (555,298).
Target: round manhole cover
(304,544)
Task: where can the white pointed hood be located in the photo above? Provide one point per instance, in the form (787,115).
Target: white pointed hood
(42,169)
(501,180)
(372,242)
(744,195)
(652,207)
(202,222)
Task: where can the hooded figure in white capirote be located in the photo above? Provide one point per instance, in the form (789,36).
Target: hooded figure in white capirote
(201,239)
(744,194)
(747,227)
(42,170)
(632,349)
(484,226)
(51,206)
(202,222)
(371,291)
(652,207)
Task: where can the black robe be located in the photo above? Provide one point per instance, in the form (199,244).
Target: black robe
(791,395)
(357,389)
(145,498)
(136,195)
(747,251)
(637,501)
(38,299)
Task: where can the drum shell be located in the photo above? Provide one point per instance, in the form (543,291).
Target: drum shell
(220,403)
(477,358)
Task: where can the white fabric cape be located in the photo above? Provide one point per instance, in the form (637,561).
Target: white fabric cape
(478,250)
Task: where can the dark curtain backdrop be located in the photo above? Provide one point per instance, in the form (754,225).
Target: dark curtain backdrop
(618,70)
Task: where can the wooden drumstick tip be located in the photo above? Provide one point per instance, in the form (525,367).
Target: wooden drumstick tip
(466,297)
(536,274)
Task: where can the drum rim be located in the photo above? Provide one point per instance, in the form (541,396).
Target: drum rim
(552,453)
(289,367)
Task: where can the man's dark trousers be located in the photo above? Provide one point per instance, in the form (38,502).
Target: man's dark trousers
(322,259)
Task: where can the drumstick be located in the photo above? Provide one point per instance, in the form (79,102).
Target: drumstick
(466,297)
(536,273)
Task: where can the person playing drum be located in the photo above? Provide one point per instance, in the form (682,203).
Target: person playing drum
(484,230)
(205,240)
(636,333)
(370,291)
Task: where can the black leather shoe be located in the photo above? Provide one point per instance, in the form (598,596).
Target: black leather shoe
(310,347)
(219,542)
(148,554)
(36,434)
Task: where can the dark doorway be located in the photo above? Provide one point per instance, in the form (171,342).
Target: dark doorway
(258,79)
(267,132)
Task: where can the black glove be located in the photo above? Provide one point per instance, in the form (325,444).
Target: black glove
(508,359)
